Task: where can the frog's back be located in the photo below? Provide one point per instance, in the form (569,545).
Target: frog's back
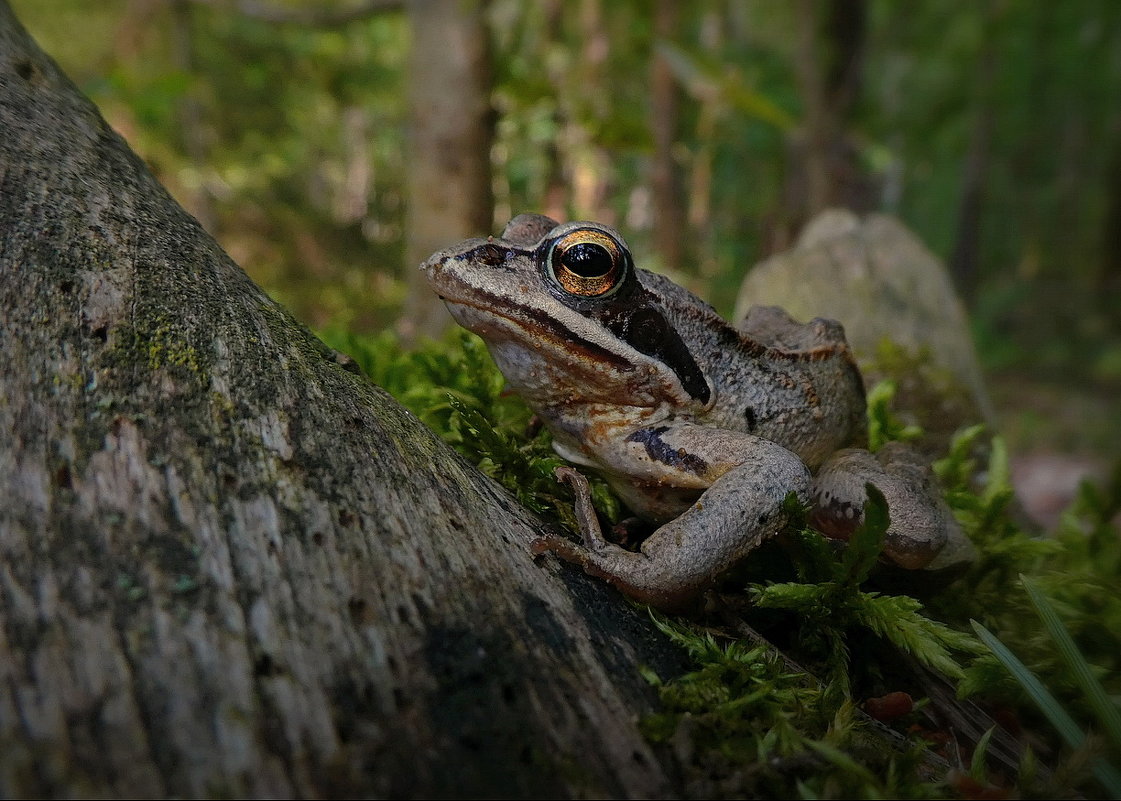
(792,383)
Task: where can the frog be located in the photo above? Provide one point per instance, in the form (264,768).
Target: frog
(716,434)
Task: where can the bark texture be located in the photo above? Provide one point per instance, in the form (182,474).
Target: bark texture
(228,566)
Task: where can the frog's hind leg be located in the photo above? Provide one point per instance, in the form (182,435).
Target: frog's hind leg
(921,523)
(742,508)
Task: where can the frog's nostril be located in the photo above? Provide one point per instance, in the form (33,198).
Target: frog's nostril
(491,254)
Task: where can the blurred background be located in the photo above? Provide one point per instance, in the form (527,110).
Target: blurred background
(331,145)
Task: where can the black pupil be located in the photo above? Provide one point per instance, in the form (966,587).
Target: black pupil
(587,260)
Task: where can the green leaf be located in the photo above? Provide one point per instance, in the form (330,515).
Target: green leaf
(977,764)
(896,618)
(806,599)
(999,474)
(956,469)
(1050,707)
(883,425)
(866,543)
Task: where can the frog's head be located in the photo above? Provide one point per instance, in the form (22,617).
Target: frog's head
(563,311)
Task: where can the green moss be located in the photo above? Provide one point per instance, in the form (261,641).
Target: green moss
(927,398)
(222,405)
(884,425)
(829,617)
(166,349)
(754,725)
(157,344)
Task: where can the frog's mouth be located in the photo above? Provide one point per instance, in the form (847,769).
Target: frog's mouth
(526,324)
(501,318)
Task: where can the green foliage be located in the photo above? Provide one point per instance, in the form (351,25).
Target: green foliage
(828,609)
(705,78)
(1066,669)
(743,707)
(1104,708)
(1004,548)
(757,727)
(1077,566)
(831,611)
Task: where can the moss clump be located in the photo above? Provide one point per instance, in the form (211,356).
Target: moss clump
(157,345)
(164,349)
(931,401)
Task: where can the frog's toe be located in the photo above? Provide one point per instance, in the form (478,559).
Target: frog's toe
(585,512)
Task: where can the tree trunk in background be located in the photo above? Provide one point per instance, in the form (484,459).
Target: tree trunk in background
(555,202)
(967,239)
(190,113)
(823,166)
(846,27)
(1109,276)
(451,129)
(670,223)
(230,567)
(818,124)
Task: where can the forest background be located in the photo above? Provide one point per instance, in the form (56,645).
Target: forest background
(708,132)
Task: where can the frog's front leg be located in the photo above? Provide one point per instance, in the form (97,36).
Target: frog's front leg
(750,479)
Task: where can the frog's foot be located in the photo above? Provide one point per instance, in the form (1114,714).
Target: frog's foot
(921,523)
(741,509)
(585,518)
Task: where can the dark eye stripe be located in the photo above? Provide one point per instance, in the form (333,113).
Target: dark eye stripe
(542,321)
(637,320)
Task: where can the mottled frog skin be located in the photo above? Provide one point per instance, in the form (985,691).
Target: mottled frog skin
(700,427)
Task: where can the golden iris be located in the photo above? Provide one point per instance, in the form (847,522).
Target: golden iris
(587,263)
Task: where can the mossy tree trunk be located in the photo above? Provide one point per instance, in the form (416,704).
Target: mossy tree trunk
(228,566)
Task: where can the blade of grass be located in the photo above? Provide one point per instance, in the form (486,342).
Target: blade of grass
(977,765)
(1105,710)
(1105,773)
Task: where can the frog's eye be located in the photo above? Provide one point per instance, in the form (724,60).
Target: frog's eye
(587,263)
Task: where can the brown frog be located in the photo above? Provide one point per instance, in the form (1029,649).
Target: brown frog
(700,427)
